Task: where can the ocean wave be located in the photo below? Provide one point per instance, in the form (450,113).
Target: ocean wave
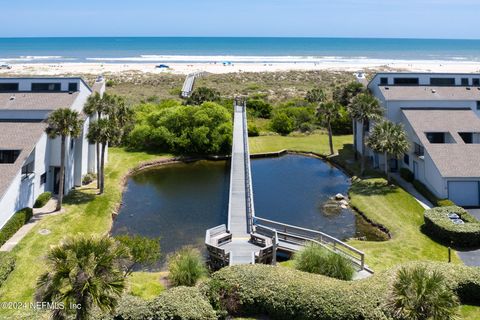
(36,58)
(222,58)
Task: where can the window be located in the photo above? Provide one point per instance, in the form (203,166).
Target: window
(72,87)
(478,105)
(9,156)
(464,81)
(43,178)
(43,87)
(8,87)
(28,168)
(383,81)
(476,82)
(442,81)
(419,150)
(436,137)
(405,81)
(72,144)
(406,159)
(366,126)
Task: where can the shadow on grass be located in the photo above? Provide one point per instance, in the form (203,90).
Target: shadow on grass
(78,197)
(346,159)
(372,188)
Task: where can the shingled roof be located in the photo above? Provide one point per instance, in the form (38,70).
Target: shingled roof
(403,93)
(36,100)
(452,159)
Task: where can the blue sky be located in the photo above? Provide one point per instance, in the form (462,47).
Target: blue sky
(322,18)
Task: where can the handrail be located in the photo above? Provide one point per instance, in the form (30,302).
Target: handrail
(313,235)
(248,174)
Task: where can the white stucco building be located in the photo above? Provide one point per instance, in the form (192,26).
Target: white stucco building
(29,160)
(441,115)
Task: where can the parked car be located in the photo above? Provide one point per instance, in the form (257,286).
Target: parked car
(5,66)
(162,66)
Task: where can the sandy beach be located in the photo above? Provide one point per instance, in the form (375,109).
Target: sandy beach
(369,65)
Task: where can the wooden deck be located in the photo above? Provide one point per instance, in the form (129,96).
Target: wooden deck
(248,239)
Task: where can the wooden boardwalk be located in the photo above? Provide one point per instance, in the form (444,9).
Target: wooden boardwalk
(189,83)
(248,239)
(238,210)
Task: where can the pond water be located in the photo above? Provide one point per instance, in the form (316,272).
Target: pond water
(179,202)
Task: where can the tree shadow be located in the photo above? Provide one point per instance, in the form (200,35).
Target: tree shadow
(373,188)
(78,197)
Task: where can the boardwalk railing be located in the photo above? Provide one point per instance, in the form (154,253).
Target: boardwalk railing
(248,173)
(301,236)
(189,82)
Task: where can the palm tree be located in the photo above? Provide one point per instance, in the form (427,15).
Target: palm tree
(328,112)
(63,122)
(101,132)
(364,108)
(316,95)
(390,139)
(98,105)
(122,116)
(344,95)
(418,294)
(85,272)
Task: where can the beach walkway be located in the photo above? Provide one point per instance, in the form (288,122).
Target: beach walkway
(248,239)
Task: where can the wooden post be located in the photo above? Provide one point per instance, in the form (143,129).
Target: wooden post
(449,255)
(274,253)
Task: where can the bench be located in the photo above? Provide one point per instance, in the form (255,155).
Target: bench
(260,240)
(265,255)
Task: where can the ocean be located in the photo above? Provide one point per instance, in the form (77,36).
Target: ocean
(259,50)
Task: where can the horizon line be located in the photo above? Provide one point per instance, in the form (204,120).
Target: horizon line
(246,37)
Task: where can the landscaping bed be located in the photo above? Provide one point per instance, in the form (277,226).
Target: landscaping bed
(20,218)
(453,226)
(284,293)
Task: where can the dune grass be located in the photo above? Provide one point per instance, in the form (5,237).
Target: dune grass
(146,285)
(85,213)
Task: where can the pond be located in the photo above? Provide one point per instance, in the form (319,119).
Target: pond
(178,202)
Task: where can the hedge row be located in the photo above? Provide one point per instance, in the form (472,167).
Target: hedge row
(283,293)
(16,222)
(423,189)
(439,226)
(7,264)
(180,303)
(42,200)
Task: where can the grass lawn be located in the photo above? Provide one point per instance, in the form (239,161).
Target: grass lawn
(86,214)
(317,143)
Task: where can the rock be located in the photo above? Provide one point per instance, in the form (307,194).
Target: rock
(344,203)
(339,196)
(343,206)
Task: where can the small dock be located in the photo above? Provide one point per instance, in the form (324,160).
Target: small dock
(248,239)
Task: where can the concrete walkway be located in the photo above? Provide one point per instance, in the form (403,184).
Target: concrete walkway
(38,215)
(411,189)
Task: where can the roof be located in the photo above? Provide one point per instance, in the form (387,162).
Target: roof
(430,93)
(410,73)
(17,136)
(36,100)
(453,160)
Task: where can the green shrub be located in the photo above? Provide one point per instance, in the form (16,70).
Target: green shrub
(259,108)
(316,259)
(42,200)
(7,264)
(343,124)
(186,267)
(203,94)
(20,218)
(445,203)
(253,130)
(423,189)
(181,303)
(88,178)
(418,293)
(282,123)
(407,175)
(171,127)
(439,226)
(109,83)
(284,293)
